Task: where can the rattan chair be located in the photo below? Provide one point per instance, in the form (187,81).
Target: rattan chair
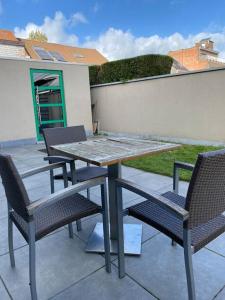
(192,222)
(60,135)
(37,219)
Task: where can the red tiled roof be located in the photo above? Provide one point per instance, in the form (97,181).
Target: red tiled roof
(69,53)
(7,35)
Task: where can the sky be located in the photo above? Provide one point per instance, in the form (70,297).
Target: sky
(119,28)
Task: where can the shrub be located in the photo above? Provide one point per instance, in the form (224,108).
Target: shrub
(93,74)
(131,68)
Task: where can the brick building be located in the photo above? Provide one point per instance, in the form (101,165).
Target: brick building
(11,46)
(201,56)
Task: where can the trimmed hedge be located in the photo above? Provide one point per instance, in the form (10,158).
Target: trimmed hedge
(131,68)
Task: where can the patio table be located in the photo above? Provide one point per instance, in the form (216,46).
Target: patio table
(111,152)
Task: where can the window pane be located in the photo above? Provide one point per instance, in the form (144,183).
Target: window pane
(51,113)
(50,97)
(46,79)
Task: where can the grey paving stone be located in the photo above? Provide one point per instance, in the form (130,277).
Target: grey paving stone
(3,293)
(3,207)
(61,262)
(221,295)
(103,286)
(151,181)
(160,269)
(218,245)
(128,172)
(183,187)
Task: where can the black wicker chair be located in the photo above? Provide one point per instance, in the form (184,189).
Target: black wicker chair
(37,219)
(192,222)
(60,135)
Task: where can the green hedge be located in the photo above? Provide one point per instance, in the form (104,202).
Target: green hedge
(131,68)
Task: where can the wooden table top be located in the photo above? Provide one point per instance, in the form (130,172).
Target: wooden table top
(108,151)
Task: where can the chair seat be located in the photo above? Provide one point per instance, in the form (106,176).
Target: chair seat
(154,215)
(57,215)
(86,173)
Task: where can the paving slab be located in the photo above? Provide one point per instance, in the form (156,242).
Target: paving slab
(151,181)
(160,270)
(103,286)
(3,293)
(61,262)
(218,245)
(221,295)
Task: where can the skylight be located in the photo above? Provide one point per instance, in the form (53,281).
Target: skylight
(44,55)
(48,55)
(57,56)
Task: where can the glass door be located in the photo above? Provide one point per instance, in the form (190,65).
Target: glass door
(48,99)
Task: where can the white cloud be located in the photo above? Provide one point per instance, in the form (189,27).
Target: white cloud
(1,7)
(78,18)
(116,43)
(55,28)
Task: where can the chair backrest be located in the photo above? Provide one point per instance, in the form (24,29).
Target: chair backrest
(15,190)
(63,135)
(206,193)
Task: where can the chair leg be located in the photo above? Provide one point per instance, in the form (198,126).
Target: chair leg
(105,219)
(79,226)
(52,185)
(70,227)
(74,180)
(32,263)
(120,234)
(88,194)
(189,266)
(173,243)
(65,180)
(10,242)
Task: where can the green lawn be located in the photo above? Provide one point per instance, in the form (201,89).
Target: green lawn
(162,163)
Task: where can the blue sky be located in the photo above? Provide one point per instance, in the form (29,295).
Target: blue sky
(119,28)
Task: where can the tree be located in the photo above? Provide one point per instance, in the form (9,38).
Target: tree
(38,35)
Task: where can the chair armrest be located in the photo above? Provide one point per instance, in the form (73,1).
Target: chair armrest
(42,169)
(184,165)
(179,165)
(163,202)
(74,189)
(55,159)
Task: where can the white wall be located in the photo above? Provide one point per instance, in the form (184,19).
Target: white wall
(190,106)
(16,103)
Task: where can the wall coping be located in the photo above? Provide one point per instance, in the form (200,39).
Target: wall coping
(169,139)
(42,61)
(159,77)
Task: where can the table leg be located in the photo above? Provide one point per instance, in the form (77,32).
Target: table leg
(114,172)
(74,180)
(132,232)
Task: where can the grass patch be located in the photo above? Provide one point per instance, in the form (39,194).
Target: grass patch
(162,163)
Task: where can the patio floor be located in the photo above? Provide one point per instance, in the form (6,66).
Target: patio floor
(65,271)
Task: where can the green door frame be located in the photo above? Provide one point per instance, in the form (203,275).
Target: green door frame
(42,88)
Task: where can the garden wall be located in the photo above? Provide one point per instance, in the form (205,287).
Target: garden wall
(185,107)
